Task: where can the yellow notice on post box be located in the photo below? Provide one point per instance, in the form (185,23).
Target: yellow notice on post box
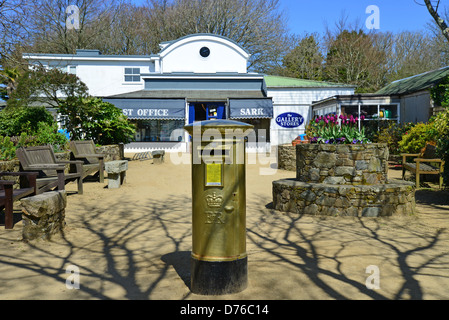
(213,174)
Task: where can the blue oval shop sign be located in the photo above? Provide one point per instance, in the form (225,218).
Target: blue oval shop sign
(289,120)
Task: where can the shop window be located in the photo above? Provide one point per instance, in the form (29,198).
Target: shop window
(132,74)
(159,130)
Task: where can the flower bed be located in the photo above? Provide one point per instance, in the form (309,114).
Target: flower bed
(331,129)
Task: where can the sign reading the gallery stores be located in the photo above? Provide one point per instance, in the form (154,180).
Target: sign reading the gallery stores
(289,120)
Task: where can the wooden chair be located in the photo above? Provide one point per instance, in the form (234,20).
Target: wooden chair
(51,175)
(9,194)
(93,162)
(425,162)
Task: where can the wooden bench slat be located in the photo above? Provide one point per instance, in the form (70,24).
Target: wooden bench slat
(420,167)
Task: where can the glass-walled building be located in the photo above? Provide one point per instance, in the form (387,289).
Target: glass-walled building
(367,108)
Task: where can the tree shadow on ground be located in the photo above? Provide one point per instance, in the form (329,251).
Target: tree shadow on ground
(294,240)
(438,199)
(121,250)
(137,248)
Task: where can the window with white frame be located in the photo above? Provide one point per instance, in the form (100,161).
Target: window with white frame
(132,74)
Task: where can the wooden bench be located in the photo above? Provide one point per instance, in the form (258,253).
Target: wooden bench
(51,171)
(424,162)
(93,162)
(9,194)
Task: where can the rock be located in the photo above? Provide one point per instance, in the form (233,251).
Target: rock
(371,212)
(116,172)
(325,160)
(43,215)
(334,180)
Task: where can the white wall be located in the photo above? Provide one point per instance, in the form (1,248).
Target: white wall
(103,76)
(107,78)
(185,57)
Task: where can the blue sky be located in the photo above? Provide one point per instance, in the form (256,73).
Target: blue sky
(394,15)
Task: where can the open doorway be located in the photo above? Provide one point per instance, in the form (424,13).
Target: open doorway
(200,111)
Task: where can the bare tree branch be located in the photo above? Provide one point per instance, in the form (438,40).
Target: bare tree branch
(439,21)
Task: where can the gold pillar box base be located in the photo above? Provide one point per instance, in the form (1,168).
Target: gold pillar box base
(218,277)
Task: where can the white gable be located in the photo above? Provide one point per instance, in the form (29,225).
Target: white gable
(220,55)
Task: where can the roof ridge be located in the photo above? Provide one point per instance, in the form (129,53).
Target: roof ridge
(311,80)
(420,74)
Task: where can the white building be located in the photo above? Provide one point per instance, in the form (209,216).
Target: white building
(194,78)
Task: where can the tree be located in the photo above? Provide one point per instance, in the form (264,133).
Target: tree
(305,60)
(13,25)
(47,87)
(257,25)
(83,116)
(353,58)
(8,80)
(104,123)
(433,10)
(409,53)
(50,31)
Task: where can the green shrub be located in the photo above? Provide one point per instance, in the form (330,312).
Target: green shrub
(7,148)
(48,134)
(415,139)
(109,127)
(392,134)
(14,121)
(441,127)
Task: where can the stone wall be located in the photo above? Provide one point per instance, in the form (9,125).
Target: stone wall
(396,198)
(113,152)
(343,180)
(10,166)
(287,157)
(342,164)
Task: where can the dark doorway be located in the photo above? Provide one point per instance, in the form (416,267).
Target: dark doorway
(200,111)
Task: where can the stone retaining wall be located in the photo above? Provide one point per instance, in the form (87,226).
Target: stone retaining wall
(113,152)
(342,164)
(287,157)
(394,198)
(343,180)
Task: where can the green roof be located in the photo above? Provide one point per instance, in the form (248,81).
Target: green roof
(278,81)
(415,83)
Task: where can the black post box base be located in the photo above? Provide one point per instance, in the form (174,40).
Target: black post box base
(218,277)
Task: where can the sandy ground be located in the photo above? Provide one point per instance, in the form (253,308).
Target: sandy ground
(134,243)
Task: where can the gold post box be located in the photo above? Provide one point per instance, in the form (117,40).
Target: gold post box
(218,259)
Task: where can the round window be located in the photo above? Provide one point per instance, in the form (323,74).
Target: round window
(204,52)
